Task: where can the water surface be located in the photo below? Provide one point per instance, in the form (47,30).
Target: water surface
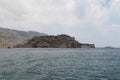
(59,64)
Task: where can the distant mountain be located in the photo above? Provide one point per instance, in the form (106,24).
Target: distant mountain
(9,37)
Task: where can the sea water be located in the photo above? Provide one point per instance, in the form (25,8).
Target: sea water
(59,64)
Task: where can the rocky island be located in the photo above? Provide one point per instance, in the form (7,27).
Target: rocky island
(59,41)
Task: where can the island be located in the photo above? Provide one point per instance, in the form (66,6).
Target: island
(59,41)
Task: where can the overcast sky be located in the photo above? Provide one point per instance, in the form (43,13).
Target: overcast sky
(90,21)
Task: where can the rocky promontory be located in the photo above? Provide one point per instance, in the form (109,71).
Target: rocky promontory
(60,41)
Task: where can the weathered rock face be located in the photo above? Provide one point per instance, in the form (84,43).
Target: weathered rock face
(60,41)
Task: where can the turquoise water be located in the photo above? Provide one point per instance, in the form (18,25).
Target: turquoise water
(59,64)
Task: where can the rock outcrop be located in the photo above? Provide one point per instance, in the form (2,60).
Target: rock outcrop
(60,41)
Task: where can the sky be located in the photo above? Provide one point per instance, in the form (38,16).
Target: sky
(89,21)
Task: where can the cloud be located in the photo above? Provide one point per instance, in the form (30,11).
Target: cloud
(84,19)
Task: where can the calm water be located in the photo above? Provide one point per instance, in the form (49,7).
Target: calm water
(59,64)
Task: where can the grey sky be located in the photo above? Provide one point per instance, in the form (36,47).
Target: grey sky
(90,21)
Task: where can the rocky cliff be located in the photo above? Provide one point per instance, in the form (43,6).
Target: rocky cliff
(60,41)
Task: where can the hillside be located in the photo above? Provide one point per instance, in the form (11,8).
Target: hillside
(60,41)
(9,37)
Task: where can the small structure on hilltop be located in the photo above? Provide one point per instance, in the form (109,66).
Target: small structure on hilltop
(60,41)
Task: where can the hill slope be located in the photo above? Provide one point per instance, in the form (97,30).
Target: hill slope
(9,37)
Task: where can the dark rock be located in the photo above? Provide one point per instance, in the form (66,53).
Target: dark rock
(60,41)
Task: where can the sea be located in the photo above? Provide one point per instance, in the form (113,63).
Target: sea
(59,64)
